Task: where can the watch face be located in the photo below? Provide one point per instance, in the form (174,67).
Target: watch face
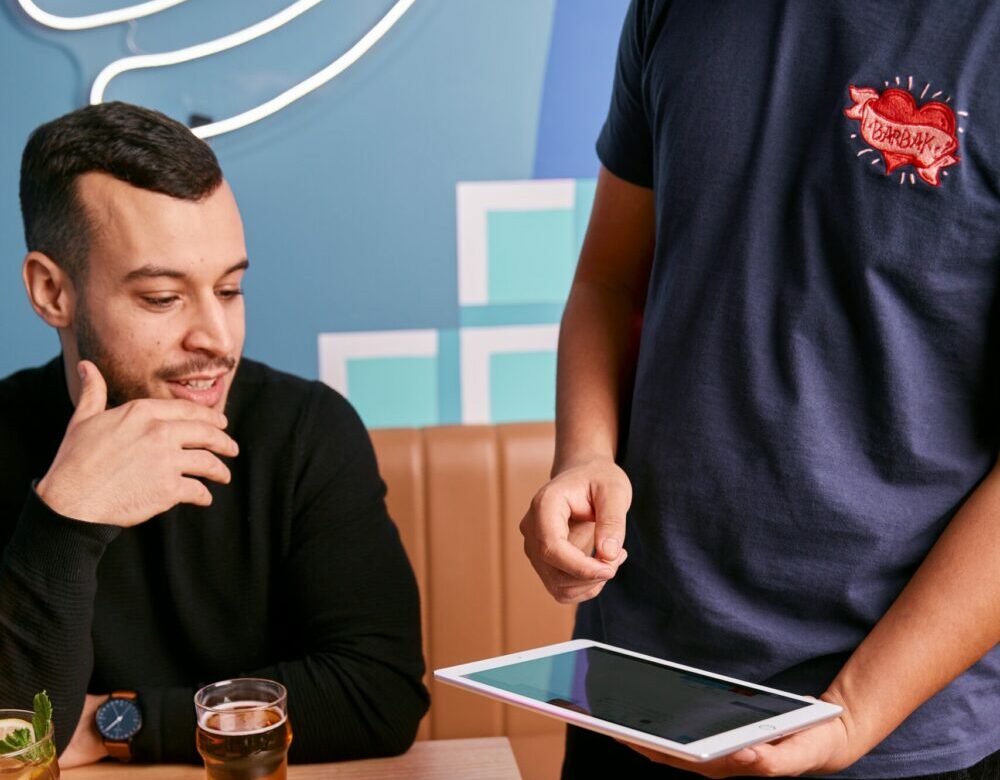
(119,719)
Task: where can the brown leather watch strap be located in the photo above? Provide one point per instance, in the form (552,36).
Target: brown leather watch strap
(120,751)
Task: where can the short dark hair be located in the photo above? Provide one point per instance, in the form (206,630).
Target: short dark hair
(136,145)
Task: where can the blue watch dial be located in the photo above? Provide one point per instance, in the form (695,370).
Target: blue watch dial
(118,719)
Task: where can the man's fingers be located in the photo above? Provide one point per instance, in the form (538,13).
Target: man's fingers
(93,392)
(569,589)
(796,753)
(191,491)
(611,501)
(203,436)
(559,531)
(550,529)
(562,580)
(577,593)
(202,463)
(177,409)
(568,559)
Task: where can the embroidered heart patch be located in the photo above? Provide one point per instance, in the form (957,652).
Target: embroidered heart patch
(904,134)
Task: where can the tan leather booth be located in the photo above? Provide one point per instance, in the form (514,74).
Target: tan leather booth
(457,494)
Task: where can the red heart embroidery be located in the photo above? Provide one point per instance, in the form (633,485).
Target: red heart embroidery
(904,134)
(899,105)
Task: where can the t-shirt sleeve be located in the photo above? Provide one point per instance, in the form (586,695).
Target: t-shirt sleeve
(625,145)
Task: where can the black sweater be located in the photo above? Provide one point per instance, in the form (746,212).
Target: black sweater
(295,573)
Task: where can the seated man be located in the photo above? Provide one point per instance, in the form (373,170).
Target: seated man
(196,516)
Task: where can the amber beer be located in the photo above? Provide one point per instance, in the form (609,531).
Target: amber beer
(243,730)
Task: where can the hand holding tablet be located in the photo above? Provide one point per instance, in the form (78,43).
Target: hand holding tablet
(668,708)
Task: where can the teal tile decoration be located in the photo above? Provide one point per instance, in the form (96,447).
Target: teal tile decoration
(449,378)
(584,201)
(511,314)
(522,386)
(531,255)
(394,392)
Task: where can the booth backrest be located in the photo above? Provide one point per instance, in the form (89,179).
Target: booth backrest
(457,494)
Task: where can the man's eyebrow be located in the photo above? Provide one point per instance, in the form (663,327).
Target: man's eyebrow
(149,271)
(242,265)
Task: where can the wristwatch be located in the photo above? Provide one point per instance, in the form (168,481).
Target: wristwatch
(118,720)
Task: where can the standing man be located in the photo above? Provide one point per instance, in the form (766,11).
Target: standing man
(779,357)
(171,514)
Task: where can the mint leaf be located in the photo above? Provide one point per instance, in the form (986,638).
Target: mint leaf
(43,715)
(21,738)
(16,740)
(40,723)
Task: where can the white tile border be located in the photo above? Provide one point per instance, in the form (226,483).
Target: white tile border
(476,345)
(335,349)
(474,200)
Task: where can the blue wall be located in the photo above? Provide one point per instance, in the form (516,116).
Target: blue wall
(348,195)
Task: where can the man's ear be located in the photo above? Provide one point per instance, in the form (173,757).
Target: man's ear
(50,290)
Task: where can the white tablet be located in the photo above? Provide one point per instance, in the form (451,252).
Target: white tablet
(686,712)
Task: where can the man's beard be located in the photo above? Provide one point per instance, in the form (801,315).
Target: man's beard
(122,386)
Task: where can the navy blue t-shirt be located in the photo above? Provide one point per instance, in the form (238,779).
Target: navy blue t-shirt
(816,389)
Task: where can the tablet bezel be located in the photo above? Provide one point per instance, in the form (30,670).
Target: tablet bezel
(705,749)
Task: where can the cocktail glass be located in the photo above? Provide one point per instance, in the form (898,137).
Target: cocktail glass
(37,761)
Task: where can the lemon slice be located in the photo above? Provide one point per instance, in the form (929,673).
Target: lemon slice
(10,725)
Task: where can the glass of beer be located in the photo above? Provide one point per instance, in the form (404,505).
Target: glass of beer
(243,729)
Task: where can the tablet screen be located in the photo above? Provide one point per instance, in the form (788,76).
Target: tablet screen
(670,703)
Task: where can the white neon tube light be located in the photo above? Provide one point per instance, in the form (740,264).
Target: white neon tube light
(335,68)
(126,14)
(197,51)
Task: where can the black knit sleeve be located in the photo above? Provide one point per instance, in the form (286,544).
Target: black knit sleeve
(48,580)
(349,626)
(356,691)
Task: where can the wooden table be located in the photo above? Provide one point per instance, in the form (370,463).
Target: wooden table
(439,759)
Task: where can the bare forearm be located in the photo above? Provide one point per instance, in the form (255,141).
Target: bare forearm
(600,327)
(581,510)
(945,620)
(596,365)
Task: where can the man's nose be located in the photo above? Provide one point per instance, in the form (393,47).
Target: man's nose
(210,331)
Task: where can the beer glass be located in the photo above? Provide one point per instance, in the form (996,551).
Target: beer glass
(33,762)
(243,730)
